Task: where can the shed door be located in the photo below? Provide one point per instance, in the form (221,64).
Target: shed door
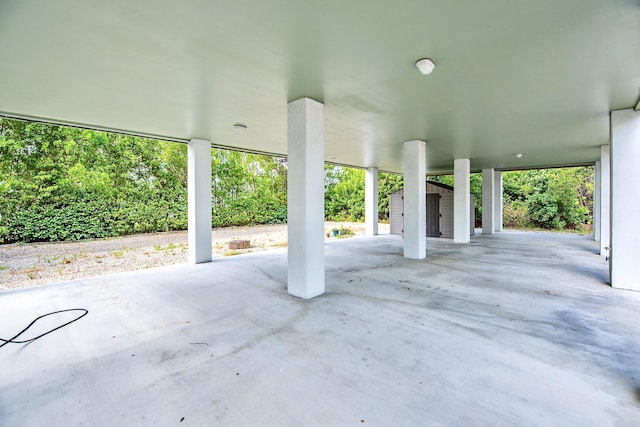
(396,219)
(433,215)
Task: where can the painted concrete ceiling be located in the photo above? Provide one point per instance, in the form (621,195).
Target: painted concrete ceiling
(533,77)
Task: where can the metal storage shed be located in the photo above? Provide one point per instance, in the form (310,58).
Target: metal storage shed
(439,211)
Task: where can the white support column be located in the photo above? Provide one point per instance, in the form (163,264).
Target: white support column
(371,202)
(625,200)
(605,199)
(497,193)
(461,200)
(415,200)
(488,201)
(596,201)
(199,201)
(305,180)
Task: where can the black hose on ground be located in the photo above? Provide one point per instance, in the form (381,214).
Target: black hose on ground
(14,340)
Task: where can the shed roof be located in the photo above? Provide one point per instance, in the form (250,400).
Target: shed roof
(437,184)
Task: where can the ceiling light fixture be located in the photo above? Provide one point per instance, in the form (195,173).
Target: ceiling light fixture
(240,127)
(519,155)
(425,65)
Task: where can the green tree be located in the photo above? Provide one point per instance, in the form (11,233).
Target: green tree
(387,183)
(344,194)
(552,198)
(247,189)
(61,183)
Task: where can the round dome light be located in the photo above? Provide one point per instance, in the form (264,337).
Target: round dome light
(425,65)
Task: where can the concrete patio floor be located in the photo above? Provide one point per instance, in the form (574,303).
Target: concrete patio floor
(512,329)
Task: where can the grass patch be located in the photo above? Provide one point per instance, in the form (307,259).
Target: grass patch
(3,267)
(550,230)
(32,273)
(169,247)
(120,253)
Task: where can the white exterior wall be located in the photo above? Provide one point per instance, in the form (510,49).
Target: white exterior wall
(305,202)
(625,200)
(497,194)
(371,202)
(462,204)
(488,201)
(415,208)
(396,208)
(446,215)
(605,199)
(199,200)
(596,201)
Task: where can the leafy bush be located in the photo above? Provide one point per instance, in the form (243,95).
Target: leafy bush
(514,214)
(343,194)
(555,198)
(50,223)
(61,183)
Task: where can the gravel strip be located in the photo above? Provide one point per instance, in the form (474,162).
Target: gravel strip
(32,264)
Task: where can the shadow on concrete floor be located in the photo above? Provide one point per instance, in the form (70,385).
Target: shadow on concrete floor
(513,329)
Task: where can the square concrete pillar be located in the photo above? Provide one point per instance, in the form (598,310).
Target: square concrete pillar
(199,201)
(605,199)
(497,193)
(305,203)
(488,201)
(625,200)
(371,202)
(596,201)
(461,200)
(415,199)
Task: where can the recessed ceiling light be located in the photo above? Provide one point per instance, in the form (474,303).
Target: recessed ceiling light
(425,65)
(240,127)
(519,155)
